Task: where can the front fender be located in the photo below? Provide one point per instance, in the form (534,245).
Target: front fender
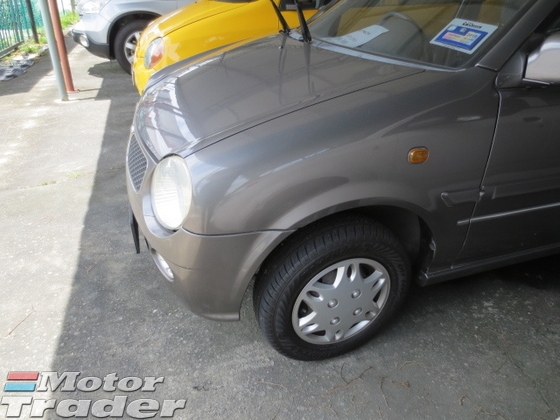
(351,153)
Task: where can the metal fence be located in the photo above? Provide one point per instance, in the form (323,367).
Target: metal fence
(18,19)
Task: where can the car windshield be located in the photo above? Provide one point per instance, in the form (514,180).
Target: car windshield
(445,33)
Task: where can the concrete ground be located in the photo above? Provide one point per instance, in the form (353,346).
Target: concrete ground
(76,298)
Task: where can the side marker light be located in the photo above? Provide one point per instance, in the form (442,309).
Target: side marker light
(418,155)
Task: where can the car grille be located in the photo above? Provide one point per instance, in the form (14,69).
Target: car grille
(136,163)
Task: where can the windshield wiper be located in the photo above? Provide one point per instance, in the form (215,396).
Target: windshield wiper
(304,28)
(285,26)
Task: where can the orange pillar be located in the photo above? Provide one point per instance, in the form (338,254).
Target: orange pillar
(61,47)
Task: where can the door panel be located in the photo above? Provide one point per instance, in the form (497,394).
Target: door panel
(520,205)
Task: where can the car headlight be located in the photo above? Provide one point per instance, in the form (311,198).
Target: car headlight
(154,53)
(171,192)
(92,6)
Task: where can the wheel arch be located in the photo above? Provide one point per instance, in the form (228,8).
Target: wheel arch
(122,21)
(410,229)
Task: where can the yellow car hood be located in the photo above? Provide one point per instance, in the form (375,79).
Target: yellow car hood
(194,12)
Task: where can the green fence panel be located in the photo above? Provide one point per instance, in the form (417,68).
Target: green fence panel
(16,20)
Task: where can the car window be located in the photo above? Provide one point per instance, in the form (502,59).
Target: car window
(551,24)
(436,32)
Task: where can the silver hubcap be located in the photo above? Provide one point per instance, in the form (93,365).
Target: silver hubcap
(341,301)
(130,45)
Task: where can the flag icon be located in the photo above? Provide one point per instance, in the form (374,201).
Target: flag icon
(21,382)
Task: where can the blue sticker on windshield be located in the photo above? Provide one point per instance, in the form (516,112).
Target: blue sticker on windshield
(463,35)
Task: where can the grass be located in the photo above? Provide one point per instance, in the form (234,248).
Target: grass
(68,19)
(30,47)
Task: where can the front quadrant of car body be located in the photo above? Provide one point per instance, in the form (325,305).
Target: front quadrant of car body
(336,170)
(203,26)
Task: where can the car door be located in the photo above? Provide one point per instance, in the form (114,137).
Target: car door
(519,208)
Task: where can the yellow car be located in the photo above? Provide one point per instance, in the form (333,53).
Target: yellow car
(205,25)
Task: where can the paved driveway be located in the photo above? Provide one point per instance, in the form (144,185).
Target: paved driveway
(79,303)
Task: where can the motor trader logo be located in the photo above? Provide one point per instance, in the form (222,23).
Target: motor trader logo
(23,405)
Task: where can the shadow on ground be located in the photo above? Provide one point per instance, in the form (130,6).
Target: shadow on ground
(483,347)
(32,79)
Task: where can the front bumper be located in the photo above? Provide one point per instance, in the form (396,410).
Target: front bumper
(213,274)
(210,273)
(92,36)
(140,74)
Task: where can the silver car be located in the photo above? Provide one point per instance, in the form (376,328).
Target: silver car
(110,28)
(384,143)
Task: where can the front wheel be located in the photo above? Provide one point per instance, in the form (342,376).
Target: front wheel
(331,288)
(126,41)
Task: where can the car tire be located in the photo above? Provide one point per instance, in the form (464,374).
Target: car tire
(125,43)
(331,287)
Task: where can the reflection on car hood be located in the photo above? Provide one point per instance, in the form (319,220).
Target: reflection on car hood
(230,92)
(189,14)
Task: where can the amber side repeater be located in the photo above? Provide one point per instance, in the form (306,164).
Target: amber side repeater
(418,155)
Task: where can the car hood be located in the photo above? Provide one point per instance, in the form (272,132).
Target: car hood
(216,97)
(202,9)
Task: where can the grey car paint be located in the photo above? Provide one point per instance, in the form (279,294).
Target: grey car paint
(279,133)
